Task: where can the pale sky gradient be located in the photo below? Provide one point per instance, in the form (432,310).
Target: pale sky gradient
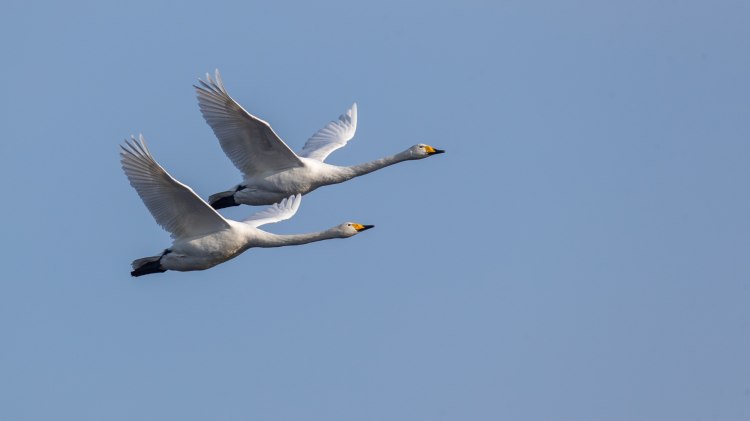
(580,252)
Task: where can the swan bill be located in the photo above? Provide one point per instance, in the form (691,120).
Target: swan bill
(360,227)
(432,151)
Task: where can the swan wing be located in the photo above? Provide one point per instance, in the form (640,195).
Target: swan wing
(173,205)
(275,213)
(331,137)
(249,142)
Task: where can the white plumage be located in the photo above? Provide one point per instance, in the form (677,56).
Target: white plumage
(201,237)
(331,137)
(174,205)
(271,170)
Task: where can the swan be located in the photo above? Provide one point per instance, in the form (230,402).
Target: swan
(271,170)
(201,237)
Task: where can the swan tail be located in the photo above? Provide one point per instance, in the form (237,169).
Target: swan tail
(147,265)
(222,200)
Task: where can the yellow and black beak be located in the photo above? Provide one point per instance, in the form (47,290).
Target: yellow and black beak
(432,151)
(360,227)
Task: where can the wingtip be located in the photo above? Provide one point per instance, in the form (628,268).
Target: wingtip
(135,145)
(141,141)
(296,200)
(128,144)
(211,84)
(353,114)
(219,82)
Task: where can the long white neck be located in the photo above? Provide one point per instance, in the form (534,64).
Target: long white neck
(278,240)
(368,167)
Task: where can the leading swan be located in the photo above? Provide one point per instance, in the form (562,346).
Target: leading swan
(271,170)
(201,237)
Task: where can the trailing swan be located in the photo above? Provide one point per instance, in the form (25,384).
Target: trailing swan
(271,170)
(201,237)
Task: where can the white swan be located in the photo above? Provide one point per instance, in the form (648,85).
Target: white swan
(201,237)
(271,170)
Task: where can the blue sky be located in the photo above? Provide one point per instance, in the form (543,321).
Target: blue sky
(580,253)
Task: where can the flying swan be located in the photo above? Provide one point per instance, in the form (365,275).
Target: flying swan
(271,170)
(201,237)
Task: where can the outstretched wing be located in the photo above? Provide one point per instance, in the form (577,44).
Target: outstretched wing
(173,205)
(275,213)
(248,141)
(331,137)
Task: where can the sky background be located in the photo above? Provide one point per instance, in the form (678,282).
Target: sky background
(579,253)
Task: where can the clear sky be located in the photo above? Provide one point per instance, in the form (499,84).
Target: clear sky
(579,253)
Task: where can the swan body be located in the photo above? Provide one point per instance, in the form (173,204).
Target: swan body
(202,238)
(209,250)
(271,170)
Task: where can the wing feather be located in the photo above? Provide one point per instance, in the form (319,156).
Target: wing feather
(173,205)
(331,137)
(275,213)
(249,142)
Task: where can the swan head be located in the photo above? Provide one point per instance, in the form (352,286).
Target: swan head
(421,150)
(348,229)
